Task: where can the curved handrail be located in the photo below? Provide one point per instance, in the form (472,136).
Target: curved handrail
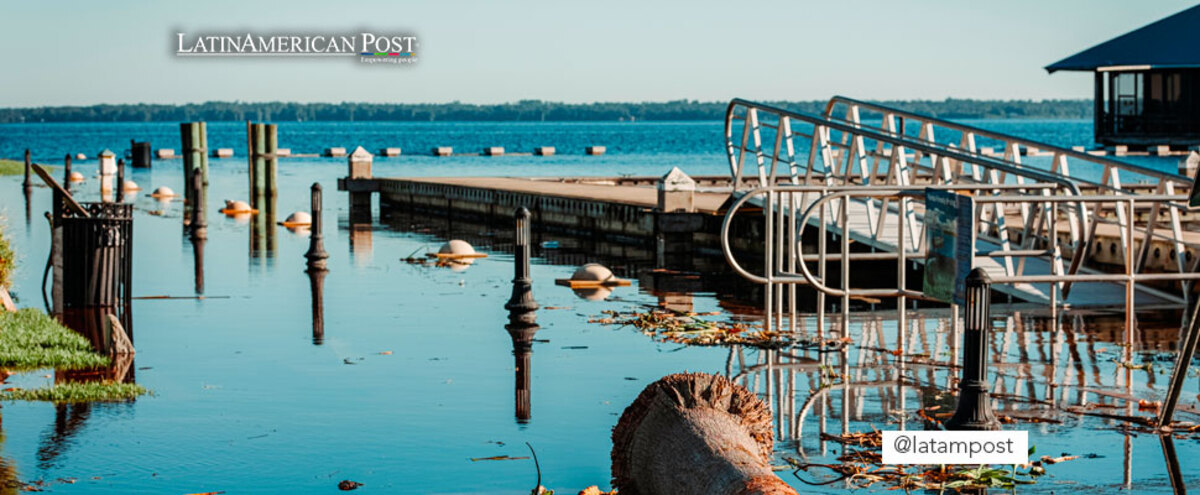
(999,136)
(892,138)
(847,193)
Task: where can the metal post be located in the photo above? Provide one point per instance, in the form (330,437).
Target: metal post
(974,410)
(522,314)
(1187,350)
(316,246)
(522,305)
(28,184)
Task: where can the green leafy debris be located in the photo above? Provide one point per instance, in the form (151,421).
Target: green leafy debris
(78,392)
(30,339)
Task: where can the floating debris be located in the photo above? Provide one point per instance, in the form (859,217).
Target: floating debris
(860,466)
(347,485)
(688,328)
(499,458)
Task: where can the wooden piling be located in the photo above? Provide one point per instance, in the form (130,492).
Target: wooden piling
(194,141)
(28,184)
(595,150)
(199,226)
(271,172)
(119,187)
(544,151)
(67,173)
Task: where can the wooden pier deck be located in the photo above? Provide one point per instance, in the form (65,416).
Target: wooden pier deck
(626,210)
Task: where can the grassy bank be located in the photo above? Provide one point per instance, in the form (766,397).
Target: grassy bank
(29,339)
(11,167)
(7,259)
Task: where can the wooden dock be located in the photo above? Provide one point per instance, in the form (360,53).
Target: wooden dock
(628,210)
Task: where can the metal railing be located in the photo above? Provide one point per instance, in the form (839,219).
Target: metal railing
(1110,177)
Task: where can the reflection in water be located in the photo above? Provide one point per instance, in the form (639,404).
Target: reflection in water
(198,263)
(262,229)
(522,347)
(28,208)
(316,279)
(69,419)
(1173,472)
(360,243)
(1056,370)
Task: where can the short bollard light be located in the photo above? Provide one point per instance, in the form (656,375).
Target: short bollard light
(974,410)
(521,303)
(316,246)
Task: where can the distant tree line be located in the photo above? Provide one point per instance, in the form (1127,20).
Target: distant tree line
(521,111)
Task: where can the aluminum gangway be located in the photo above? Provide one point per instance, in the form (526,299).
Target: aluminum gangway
(1039,225)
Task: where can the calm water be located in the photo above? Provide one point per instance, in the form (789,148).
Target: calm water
(245,402)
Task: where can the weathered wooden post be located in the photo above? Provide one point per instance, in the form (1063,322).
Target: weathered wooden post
(67,173)
(695,433)
(316,254)
(119,187)
(974,411)
(271,161)
(28,184)
(199,226)
(194,141)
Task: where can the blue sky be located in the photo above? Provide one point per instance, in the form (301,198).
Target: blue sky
(62,53)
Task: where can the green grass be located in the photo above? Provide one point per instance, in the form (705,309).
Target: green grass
(79,392)
(12,167)
(7,260)
(29,339)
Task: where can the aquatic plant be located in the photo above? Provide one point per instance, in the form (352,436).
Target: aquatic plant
(78,392)
(30,339)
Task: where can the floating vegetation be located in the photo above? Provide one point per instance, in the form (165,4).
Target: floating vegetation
(30,339)
(689,328)
(78,392)
(861,466)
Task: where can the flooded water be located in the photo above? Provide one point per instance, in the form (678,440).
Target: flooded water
(414,375)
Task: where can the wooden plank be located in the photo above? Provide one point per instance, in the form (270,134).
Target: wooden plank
(67,199)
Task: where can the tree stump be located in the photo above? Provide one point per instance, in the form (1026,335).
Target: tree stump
(695,433)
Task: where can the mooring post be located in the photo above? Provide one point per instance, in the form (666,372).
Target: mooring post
(28,184)
(316,246)
(199,226)
(521,303)
(67,172)
(974,410)
(119,187)
(271,164)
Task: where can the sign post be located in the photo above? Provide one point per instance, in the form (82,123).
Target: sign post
(950,241)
